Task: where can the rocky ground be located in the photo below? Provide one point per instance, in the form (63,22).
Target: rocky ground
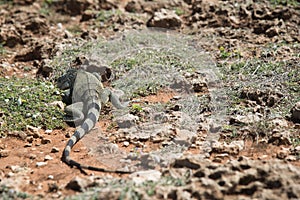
(164,136)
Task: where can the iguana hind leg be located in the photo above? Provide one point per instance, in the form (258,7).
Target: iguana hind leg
(74,113)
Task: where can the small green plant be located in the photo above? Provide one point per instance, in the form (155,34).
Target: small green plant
(136,108)
(285,2)
(75,29)
(28,102)
(7,193)
(295,141)
(179,11)
(228,54)
(6,2)
(2,50)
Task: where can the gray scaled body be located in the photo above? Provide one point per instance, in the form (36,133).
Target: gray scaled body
(87,94)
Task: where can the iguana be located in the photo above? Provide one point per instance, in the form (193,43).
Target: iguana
(86,92)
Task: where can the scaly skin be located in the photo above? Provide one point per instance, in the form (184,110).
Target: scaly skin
(87,94)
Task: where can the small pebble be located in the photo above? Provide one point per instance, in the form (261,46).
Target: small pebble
(32,156)
(48,131)
(291,158)
(125,143)
(47,157)
(45,141)
(29,139)
(40,164)
(10,174)
(28,145)
(51,177)
(4,153)
(54,150)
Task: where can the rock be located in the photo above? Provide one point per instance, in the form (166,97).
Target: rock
(16,168)
(54,150)
(32,129)
(188,163)
(248,119)
(79,184)
(126,121)
(18,134)
(280,122)
(47,157)
(45,141)
(32,156)
(44,70)
(48,131)
(126,143)
(232,148)
(133,6)
(108,148)
(87,15)
(40,164)
(74,7)
(165,19)
(297,149)
(50,177)
(267,97)
(280,137)
(283,153)
(291,158)
(142,176)
(52,187)
(295,111)
(35,52)
(4,153)
(185,137)
(37,25)
(28,144)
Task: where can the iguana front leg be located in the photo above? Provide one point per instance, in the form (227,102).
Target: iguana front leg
(108,95)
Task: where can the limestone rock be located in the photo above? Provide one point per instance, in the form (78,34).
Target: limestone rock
(165,19)
(296,113)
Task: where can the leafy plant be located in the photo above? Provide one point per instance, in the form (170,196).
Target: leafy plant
(285,2)
(28,102)
(136,108)
(2,50)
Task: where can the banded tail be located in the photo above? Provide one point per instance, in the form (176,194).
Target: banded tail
(92,117)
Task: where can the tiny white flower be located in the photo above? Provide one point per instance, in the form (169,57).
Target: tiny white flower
(19,101)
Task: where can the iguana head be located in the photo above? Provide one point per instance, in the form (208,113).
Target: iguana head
(67,80)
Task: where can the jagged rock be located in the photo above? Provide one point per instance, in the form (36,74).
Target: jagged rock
(133,6)
(266,97)
(283,153)
(127,121)
(248,119)
(40,164)
(54,150)
(296,113)
(79,184)
(165,19)
(47,157)
(232,148)
(4,153)
(10,36)
(108,148)
(142,176)
(188,163)
(46,141)
(184,137)
(278,122)
(18,134)
(280,137)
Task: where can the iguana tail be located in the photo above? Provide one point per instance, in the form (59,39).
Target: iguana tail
(90,121)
